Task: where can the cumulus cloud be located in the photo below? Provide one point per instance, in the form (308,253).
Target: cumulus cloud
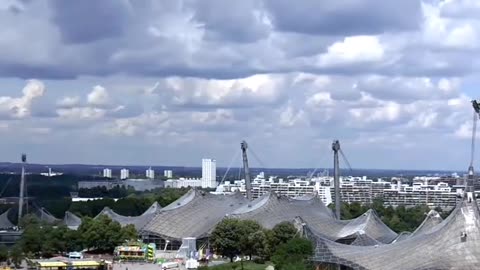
(265,89)
(352,50)
(20,107)
(98,97)
(69,101)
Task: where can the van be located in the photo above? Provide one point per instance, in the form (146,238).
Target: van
(170,265)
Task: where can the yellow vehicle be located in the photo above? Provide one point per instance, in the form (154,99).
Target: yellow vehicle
(135,252)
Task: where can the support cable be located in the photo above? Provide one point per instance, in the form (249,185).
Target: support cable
(344,157)
(234,159)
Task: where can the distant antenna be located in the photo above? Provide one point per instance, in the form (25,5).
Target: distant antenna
(22,188)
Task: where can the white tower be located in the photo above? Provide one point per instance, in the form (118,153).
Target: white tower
(107,173)
(209,173)
(150,173)
(168,173)
(124,174)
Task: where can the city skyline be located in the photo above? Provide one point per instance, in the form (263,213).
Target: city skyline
(172,83)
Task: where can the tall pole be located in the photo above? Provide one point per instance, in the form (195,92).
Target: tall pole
(22,188)
(336,177)
(248,187)
(470,183)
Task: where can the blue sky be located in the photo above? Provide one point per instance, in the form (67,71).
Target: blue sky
(170,82)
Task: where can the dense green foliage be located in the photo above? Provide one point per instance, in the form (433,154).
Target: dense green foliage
(40,187)
(133,205)
(226,238)
(233,237)
(293,255)
(11,256)
(103,192)
(100,234)
(399,219)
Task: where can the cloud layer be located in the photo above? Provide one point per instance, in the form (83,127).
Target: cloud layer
(159,82)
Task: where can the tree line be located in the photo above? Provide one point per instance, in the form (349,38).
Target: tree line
(283,244)
(132,205)
(41,240)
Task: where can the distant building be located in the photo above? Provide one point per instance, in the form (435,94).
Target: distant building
(107,173)
(209,173)
(291,187)
(136,184)
(142,184)
(150,174)
(50,173)
(98,183)
(168,173)
(124,174)
(183,183)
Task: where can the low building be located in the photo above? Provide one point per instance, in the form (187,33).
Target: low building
(143,184)
(137,184)
(183,183)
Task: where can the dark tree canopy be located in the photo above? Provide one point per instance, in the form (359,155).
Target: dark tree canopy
(225,238)
(293,254)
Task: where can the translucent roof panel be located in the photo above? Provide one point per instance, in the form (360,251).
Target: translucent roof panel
(270,210)
(138,221)
(453,244)
(5,223)
(194,215)
(72,221)
(45,216)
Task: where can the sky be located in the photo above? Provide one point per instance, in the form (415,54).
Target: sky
(171,82)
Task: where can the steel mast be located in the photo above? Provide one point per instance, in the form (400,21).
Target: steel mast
(22,188)
(248,187)
(336,178)
(471,170)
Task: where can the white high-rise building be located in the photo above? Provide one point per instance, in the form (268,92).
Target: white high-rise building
(107,173)
(209,173)
(150,173)
(124,174)
(168,173)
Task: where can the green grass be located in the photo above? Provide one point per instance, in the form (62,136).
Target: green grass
(237,266)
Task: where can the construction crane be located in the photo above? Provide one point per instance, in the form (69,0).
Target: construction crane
(471,171)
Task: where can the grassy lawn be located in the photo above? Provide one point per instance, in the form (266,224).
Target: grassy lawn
(237,266)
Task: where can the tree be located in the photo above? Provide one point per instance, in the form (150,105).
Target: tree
(104,234)
(32,238)
(282,233)
(293,254)
(58,238)
(225,238)
(16,254)
(252,238)
(129,232)
(3,253)
(74,240)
